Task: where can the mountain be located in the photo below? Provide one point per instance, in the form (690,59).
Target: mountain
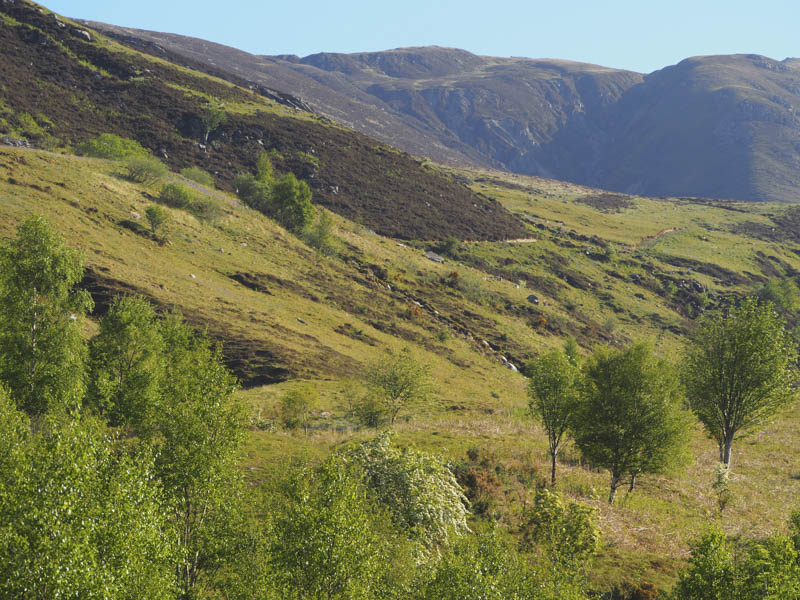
(713,126)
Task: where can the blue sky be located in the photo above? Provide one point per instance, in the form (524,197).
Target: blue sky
(640,35)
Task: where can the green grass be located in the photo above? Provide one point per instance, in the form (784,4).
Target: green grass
(313,303)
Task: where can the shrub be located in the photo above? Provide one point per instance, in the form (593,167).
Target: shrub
(206,209)
(296,406)
(175,195)
(108,145)
(319,235)
(197,174)
(145,169)
(156,217)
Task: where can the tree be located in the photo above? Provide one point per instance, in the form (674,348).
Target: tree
(739,371)
(565,537)
(711,573)
(196,431)
(397,382)
(554,390)
(211,117)
(628,420)
(80,514)
(111,146)
(328,541)
(126,363)
(296,406)
(291,203)
(42,349)
(419,491)
(484,567)
(156,216)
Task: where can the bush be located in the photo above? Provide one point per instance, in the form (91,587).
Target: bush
(319,235)
(197,174)
(206,209)
(175,195)
(108,145)
(145,169)
(296,406)
(156,217)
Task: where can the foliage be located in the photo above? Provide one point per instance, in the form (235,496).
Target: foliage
(42,350)
(198,175)
(80,515)
(296,406)
(782,293)
(483,567)
(397,382)
(175,195)
(145,169)
(291,203)
(739,371)
(255,193)
(419,491)
(206,208)
(319,234)
(111,146)
(264,171)
(764,570)
(721,486)
(196,429)
(629,421)
(554,391)
(710,575)
(126,362)
(328,541)
(566,535)
(156,216)
(212,117)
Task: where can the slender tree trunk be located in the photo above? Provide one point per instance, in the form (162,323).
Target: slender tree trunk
(633,482)
(613,493)
(553,467)
(726,457)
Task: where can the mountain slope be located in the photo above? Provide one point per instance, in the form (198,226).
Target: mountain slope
(60,88)
(719,126)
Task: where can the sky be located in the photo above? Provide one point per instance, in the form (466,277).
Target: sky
(640,35)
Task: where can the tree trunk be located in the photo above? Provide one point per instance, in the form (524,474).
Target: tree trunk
(726,457)
(633,482)
(613,493)
(553,467)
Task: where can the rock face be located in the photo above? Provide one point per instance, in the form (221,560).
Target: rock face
(719,126)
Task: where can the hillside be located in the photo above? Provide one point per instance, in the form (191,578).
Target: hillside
(713,126)
(539,261)
(85,87)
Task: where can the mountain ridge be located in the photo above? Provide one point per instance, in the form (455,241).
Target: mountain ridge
(688,129)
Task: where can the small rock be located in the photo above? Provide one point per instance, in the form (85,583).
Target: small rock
(83,33)
(135,215)
(533,299)
(192,275)
(301,321)
(243,244)
(434,257)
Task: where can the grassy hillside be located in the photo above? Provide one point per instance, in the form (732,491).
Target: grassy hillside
(572,261)
(285,314)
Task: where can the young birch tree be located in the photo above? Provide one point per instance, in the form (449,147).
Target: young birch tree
(739,371)
(554,396)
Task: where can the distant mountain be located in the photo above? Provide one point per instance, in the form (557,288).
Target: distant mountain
(721,126)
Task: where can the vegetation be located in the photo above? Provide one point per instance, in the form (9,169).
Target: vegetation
(156,217)
(629,421)
(42,350)
(198,175)
(145,169)
(739,371)
(554,390)
(296,406)
(397,382)
(111,146)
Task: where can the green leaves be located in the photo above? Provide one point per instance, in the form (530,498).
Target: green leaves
(418,489)
(629,420)
(397,382)
(42,350)
(739,371)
